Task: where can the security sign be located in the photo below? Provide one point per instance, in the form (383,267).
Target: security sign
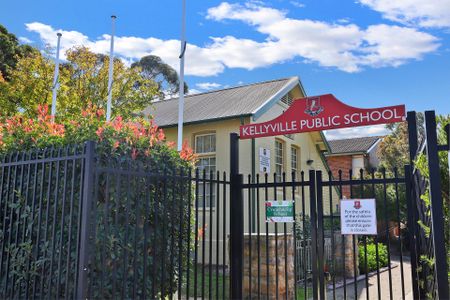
(358,216)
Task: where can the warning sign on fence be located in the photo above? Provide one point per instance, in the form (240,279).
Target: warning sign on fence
(280,211)
(358,216)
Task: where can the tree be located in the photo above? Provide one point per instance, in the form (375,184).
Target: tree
(165,76)
(83,79)
(29,84)
(10,51)
(393,151)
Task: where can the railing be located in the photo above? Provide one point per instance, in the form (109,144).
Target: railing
(40,213)
(426,203)
(303,257)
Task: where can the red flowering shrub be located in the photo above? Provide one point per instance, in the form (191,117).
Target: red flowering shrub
(127,203)
(137,138)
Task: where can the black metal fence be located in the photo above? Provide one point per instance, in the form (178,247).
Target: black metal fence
(40,209)
(427,220)
(274,267)
(75,225)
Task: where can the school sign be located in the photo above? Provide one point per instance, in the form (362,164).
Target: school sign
(322,113)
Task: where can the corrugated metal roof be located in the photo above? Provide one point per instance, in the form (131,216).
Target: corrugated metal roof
(225,103)
(353,145)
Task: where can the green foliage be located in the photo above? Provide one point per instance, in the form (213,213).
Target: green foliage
(153,68)
(421,164)
(10,51)
(83,79)
(141,212)
(394,148)
(332,223)
(372,257)
(138,232)
(302,232)
(23,267)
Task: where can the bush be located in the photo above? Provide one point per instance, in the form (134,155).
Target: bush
(372,257)
(139,204)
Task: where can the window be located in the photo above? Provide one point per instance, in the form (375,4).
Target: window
(205,143)
(295,154)
(279,160)
(205,147)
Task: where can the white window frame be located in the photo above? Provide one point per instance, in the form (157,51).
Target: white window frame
(295,166)
(203,135)
(206,155)
(279,175)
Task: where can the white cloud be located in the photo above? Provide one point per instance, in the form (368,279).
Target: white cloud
(354,132)
(424,13)
(346,47)
(194,91)
(208,85)
(25,40)
(297,4)
(132,48)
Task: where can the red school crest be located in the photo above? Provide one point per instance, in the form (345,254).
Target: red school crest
(357,205)
(313,107)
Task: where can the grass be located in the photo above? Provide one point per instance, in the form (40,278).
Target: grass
(223,280)
(220,280)
(301,293)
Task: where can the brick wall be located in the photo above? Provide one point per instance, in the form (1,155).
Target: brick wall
(343,163)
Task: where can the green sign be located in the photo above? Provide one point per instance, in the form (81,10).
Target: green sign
(280,211)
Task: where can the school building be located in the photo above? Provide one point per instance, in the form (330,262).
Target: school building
(210,117)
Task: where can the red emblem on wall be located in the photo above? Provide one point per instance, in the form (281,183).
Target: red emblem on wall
(313,107)
(357,204)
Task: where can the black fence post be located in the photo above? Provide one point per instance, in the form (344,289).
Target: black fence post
(88,184)
(447,130)
(412,135)
(413,215)
(236,220)
(437,216)
(320,235)
(410,205)
(313,217)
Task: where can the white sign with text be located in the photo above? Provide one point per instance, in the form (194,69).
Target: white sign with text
(358,216)
(264,160)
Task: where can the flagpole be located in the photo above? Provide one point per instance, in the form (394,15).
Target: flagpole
(111,65)
(55,79)
(181,87)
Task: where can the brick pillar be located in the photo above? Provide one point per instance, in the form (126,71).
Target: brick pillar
(252,284)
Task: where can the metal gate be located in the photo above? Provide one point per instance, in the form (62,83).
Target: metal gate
(73,227)
(311,259)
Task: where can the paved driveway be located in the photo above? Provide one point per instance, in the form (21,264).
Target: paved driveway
(384,284)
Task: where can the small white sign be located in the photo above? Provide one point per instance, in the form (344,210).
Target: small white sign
(264,160)
(358,216)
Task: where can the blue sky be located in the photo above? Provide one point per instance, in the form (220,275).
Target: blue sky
(368,53)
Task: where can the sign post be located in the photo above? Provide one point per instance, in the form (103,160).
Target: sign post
(358,216)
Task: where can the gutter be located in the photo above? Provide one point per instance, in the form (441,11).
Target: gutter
(206,121)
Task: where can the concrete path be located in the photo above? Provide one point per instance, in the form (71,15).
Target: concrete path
(384,284)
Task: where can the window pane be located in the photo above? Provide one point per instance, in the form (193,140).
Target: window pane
(205,143)
(278,159)
(207,164)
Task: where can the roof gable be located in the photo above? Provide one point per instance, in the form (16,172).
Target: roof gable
(226,103)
